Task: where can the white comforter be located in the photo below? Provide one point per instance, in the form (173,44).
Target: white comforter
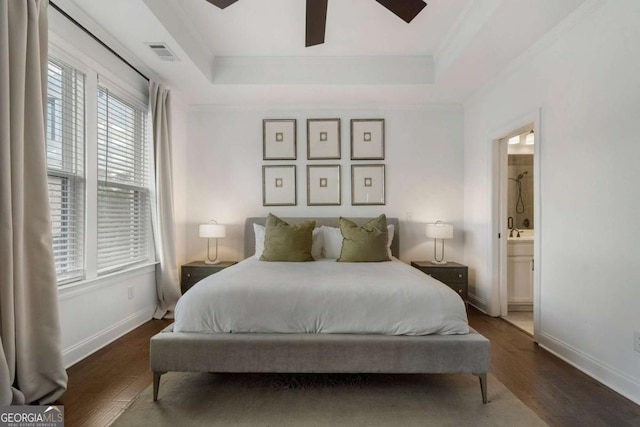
(325,296)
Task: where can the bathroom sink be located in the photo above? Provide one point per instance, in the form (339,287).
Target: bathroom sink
(525,236)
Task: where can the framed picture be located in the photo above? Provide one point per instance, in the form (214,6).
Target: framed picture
(323,139)
(323,185)
(367,139)
(279,185)
(279,139)
(367,185)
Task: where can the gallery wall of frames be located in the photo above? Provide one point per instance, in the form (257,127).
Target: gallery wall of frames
(323,148)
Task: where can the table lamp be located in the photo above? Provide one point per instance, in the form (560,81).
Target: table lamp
(439,230)
(212,230)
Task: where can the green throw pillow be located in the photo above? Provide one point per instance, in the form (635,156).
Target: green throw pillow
(364,244)
(284,242)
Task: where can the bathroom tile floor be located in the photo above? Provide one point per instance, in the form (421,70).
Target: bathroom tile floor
(522,320)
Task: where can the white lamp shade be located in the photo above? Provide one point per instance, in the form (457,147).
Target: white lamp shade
(440,230)
(213,230)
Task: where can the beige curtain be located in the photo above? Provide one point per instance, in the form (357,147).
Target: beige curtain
(168,288)
(31,368)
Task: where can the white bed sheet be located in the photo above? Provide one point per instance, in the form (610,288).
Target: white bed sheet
(325,296)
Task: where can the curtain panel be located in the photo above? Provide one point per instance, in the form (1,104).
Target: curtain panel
(31,367)
(167,286)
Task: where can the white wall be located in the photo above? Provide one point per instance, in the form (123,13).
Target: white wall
(584,78)
(424,172)
(99,311)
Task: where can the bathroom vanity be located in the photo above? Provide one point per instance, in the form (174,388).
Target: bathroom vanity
(520,271)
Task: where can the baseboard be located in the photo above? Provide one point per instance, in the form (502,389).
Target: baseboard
(520,306)
(90,345)
(477,302)
(607,375)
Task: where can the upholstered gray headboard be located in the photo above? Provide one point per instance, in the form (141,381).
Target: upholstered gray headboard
(250,242)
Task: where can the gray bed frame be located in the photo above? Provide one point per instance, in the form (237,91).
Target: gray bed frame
(318,353)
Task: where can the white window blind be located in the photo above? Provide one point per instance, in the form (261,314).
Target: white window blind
(124,214)
(65,129)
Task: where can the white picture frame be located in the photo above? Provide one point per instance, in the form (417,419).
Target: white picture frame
(367,139)
(368,184)
(279,139)
(279,185)
(323,185)
(323,139)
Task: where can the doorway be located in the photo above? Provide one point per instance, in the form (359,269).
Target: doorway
(519,202)
(517,223)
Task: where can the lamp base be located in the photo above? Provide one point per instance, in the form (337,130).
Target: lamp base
(215,260)
(440,261)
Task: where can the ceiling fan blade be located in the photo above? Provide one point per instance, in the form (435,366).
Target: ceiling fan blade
(316,22)
(404,9)
(222,3)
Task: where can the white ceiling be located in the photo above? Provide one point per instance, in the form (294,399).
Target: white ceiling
(450,50)
(354,28)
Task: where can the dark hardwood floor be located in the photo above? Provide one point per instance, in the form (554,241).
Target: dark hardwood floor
(559,393)
(101,386)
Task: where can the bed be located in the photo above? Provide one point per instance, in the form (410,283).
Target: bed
(207,343)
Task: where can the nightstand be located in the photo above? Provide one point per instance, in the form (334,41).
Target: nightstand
(195,271)
(451,274)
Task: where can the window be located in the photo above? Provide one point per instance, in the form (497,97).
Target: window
(65,167)
(98,171)
(124,217)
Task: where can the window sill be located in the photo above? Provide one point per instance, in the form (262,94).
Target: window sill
(88,285)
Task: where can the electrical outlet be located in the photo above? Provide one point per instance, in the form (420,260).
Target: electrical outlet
(130,292)
(409,216)
(636,341)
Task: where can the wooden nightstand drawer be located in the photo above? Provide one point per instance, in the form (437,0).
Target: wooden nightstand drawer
(191,276)
(193,272)
(451,274)
(460,289)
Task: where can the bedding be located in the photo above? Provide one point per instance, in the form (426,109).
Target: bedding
(332,240)
(390,298)
(285,242)
(316,245)
(367,243)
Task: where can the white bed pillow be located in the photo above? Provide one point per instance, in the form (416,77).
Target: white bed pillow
(333,241)
(258,231)
(390,229)
(316,245)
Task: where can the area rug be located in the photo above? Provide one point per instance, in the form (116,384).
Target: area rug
(204,399)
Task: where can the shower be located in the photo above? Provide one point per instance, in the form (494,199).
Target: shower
(519,200)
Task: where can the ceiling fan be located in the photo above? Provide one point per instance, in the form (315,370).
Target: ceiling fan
(317,14)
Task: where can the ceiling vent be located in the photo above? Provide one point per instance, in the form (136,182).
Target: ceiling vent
(163,51)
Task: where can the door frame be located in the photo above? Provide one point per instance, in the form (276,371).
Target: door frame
(498,203)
